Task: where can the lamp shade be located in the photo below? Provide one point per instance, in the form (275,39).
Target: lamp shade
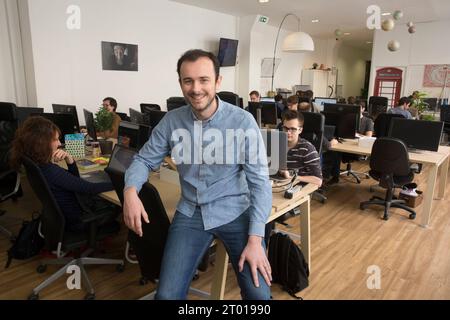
(298,42)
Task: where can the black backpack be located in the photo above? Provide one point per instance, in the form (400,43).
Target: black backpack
(289,267)
(28,243)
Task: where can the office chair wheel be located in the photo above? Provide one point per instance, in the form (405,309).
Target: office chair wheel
(385,217)
(90,296)
(41,268)
(412,216)
(143,281)
(120,268)
(196,277)
(33,296)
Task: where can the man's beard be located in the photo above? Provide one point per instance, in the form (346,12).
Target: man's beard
(204,108)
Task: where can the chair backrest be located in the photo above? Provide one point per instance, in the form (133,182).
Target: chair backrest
(8,127)
(390,156)
(383,123)
(377,105)
(145,107)
(313,129)
(53,221)
(175,102)
(150,248)
(229,97)
(123,116)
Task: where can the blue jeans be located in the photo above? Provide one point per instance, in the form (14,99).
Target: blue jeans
(187,243)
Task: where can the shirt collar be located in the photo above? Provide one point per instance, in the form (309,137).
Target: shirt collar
(218,111)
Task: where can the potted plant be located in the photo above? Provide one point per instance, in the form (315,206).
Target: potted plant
(103,122)
(418,102)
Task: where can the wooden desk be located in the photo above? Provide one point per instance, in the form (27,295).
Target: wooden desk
(170,195)
(437,161)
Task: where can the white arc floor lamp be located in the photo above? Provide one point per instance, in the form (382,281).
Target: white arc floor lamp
(295,42)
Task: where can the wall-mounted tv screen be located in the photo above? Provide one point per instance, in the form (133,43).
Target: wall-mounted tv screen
(227,52)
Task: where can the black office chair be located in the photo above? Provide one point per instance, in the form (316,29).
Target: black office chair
(175,103)
(229,97)
(389,164)
(348,159)
(145,107)
(123,116)
(377,105)
(58,239)
(9,179)
(313,131)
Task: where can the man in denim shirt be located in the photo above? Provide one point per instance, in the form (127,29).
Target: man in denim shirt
(226,194)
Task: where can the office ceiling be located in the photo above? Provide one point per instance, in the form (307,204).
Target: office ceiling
(347,15)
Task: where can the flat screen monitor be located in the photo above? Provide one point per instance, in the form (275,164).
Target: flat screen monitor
(175,103)
(65,122)
(253,109)
(344,123)
(267,99)
(319,102)
(417,134)
(24,112)
(68,109)
(90,124)
(121,158)
(432,103)
(269,113)
(276,145)
(132,135)
(138,117)
(149,106)
(227,52)
(344,109)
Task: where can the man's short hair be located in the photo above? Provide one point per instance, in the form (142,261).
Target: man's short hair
(293,114)
(292,100)
(195,54)
(404,100)
(112,102)
(254,93)
(278,98)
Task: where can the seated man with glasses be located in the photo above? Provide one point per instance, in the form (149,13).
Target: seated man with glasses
(302,155)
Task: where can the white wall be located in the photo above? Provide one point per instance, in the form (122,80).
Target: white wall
(351,64)
(429,45)
(68,64)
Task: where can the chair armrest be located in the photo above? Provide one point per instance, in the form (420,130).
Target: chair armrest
(16,186)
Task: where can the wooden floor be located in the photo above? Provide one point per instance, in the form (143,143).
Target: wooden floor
(414,261)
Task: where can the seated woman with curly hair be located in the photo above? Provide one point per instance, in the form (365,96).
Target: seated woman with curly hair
(38,139)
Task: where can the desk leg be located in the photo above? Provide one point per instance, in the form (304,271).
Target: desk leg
(429,195)
(305,232)
(443,173)
(220,272)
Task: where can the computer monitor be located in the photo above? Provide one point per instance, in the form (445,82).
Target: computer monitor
(269,113)
(155,117)
(276,144)
(133,135)
(65,122)
(121,158)
(138,117)
(253,109)
(267,99)
(344,109)
(319,102)
(417,134)
(432,103)
(175,103)
(344,123)
(24,112)
(90,124)
(68,109)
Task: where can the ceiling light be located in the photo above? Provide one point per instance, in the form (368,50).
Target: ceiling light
(347,33)
(386,14)
(263,1)
(315,21)
(369,42)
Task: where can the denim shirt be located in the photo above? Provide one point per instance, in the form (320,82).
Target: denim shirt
(223,190)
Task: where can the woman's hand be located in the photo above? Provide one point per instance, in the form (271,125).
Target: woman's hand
(60,155)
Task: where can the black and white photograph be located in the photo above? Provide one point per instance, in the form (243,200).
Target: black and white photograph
(119,56)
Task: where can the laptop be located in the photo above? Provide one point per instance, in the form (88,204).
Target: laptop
(121,159)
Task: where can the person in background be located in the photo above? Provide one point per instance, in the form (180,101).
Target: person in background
(110,104)
(365,123)
(402,108)
(38,139)
(302,156)
(292,103)
(255,96)
(351,100)
(279,104)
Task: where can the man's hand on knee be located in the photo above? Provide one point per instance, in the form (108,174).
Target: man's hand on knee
(255,256)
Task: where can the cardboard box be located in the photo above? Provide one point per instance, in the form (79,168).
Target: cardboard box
(412,202)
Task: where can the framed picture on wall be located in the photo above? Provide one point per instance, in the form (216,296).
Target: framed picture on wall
(119,56)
